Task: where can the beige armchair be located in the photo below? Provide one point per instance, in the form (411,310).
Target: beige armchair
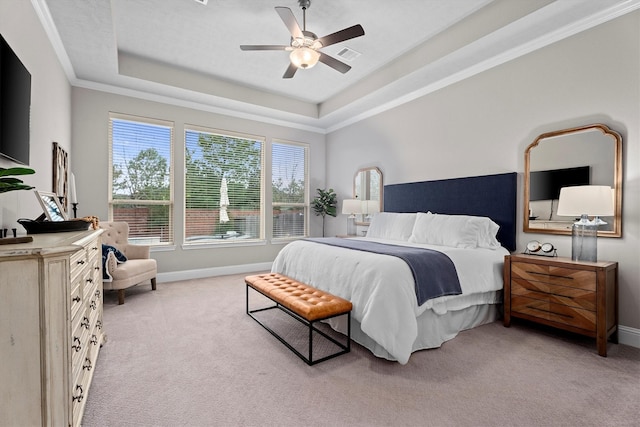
(138,268)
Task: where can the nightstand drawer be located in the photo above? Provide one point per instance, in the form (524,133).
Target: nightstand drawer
(555,275)
(545,309)
(573,297)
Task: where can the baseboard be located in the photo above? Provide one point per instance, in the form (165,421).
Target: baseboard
(629,336)
(626,335)
(175,276)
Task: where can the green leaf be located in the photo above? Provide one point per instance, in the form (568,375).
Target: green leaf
(16,171)
(8,183)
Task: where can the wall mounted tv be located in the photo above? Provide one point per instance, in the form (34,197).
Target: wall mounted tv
(15,105)
(546,185)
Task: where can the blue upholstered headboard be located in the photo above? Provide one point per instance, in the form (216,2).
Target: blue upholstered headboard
(493,196)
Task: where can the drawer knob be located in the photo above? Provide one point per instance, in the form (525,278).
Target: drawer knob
(76,299)
(87,364)
(78,398)
(77,347)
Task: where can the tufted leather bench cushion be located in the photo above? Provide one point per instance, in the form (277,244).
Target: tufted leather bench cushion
(304,300)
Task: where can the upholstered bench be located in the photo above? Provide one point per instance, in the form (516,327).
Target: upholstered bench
(304,303)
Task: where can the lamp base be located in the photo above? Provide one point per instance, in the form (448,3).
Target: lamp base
(584,243)
(351,226)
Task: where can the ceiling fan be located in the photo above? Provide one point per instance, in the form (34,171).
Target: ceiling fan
(305,46)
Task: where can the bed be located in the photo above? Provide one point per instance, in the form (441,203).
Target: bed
(470,220)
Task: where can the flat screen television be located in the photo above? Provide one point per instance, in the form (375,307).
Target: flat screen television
(15,105)
(546,185)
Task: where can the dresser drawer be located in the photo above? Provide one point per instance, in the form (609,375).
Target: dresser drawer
(554,275)
(76,300)
(78,263)
(544,308)
(565,295)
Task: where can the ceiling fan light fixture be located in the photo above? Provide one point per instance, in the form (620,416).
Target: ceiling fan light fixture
(304,57)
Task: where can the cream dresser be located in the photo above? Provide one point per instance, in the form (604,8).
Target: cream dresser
(50,327)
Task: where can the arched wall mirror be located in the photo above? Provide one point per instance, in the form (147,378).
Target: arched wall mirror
(367,185)
(587,155)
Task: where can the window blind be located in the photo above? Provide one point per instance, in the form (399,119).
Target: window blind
(141,177)
(289,189)
(223,186)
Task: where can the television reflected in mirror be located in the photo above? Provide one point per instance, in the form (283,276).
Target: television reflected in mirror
(51,206)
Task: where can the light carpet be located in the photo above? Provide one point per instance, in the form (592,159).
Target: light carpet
(188,355)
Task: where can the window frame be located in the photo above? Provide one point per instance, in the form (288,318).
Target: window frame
(305,204)
(262,238)
(170,202)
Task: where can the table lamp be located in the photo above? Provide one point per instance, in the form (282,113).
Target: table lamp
(351,207)
(585,201)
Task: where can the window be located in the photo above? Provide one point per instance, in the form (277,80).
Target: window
(223,186)
(289,188)
(141,185)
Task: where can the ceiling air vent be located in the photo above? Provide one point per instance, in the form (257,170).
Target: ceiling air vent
(348,54)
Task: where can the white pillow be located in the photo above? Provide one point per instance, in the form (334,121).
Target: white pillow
(458,231)
(392,226)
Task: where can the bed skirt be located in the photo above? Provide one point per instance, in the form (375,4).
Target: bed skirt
(433,329)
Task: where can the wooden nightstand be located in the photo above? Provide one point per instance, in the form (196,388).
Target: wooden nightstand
(580,297)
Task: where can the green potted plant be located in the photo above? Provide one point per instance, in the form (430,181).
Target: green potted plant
(9,183)
(325,204)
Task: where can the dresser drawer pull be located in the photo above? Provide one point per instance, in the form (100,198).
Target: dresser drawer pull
(85,322)
(549,311)
(76,347)
(550,275)
(97,294)
(81,262)
(76,299)
(97,267)
(94,340)
(93,305)
(87,364)
(80,396)
(95,248)
(89,280)
(99,324)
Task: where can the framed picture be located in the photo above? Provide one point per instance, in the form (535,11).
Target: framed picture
(51,206)
(61,174)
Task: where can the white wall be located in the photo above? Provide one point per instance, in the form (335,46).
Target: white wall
(91,144)
(478,126)
(50,107)
(483,125)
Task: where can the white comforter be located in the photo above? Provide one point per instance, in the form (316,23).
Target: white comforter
(381,287)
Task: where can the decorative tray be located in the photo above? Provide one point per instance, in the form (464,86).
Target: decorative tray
(38,227)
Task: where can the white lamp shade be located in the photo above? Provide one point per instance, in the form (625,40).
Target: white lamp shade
(351,206)
(304,57)
(594,200)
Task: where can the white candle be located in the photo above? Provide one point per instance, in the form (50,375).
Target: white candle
(72,189)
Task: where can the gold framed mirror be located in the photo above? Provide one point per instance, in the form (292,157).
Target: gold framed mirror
(586,155)
(368,186)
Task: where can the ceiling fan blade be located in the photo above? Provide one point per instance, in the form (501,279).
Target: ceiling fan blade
(263,47)
(342,35)
(291,71)
(290,21)
(334,63)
